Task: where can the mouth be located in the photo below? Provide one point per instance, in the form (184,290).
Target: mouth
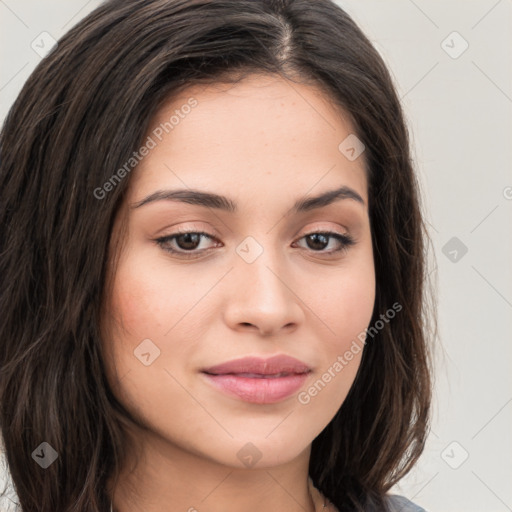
(257,375)
(258,380)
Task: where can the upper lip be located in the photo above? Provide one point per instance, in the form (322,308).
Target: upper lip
(262,366)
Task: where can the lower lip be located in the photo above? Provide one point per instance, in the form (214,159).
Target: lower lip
(258,390)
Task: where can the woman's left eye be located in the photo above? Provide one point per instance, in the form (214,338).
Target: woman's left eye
(188,242)
(320,240)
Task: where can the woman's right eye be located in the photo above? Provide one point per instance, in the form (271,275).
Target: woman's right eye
(188,243)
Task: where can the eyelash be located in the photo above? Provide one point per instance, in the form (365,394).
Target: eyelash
(345,240)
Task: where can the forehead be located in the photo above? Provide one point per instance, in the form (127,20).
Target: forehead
(263,130)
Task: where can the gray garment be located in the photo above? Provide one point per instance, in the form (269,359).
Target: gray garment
(401,504)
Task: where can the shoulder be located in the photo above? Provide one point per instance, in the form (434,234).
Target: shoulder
(401,504)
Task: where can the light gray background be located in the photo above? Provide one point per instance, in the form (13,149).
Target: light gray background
(459,112)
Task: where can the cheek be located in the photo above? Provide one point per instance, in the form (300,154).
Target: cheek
(136,315)
(347,305)
(145,294)
(150,300)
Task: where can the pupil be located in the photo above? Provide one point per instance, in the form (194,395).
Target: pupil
(195,237)
(315,237)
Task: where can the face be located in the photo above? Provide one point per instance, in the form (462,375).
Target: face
(203,281)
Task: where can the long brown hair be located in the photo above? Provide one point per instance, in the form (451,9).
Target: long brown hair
(80,116)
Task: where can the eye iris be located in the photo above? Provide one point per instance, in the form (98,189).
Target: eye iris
(315,237)
(189,238)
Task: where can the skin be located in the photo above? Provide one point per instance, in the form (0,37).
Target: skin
(264,143)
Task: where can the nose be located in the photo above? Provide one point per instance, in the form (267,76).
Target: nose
(263,296)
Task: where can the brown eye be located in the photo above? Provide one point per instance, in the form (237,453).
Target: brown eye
(185,243)
(188,241)
(318,241)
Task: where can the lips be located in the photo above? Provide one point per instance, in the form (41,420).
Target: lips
(259,380)
(273,366)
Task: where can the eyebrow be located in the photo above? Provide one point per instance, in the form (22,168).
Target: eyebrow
(219,202)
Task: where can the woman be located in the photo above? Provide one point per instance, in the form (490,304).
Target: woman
(212,257)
